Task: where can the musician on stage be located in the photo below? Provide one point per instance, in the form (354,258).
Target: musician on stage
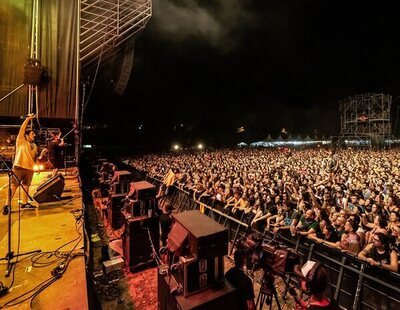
(24,161)
(55,150)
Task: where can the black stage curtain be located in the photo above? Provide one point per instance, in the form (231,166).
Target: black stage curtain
(57,45)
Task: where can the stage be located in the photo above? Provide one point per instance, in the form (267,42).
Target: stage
(47,228)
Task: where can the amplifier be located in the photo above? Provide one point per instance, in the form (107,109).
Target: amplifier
(115,217)
(141,208)
(198,274)
(120,188)
(122,176)
(136,243)
(205,237)
(224,296)
(145,190)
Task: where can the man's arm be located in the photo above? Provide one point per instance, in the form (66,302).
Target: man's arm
(363,255)
(21,133)
(393,265)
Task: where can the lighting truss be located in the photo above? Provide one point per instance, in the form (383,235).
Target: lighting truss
(106,24)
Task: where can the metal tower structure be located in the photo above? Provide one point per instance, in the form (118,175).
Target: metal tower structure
(366,117)
(33,95)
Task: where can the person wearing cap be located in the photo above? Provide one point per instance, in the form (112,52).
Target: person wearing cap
(314,281)
(24,161)
(238,278)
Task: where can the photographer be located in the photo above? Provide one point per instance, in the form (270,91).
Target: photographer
(238,278)
(314,281)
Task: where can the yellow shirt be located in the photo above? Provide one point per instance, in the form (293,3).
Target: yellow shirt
(25,154)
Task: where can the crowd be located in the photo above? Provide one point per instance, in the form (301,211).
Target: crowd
(348,199)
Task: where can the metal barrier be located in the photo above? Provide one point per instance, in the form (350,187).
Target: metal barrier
(354,284)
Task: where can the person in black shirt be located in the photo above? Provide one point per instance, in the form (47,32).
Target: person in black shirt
(165,222)
(380,254)
(55,150)
(241,281)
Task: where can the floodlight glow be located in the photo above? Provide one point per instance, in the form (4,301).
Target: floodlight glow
(200,146)
(176,147)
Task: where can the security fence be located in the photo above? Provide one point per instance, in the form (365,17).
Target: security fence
(354,284)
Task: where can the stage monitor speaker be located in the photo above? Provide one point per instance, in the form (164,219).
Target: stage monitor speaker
(136,244)
(115,205)
(145,190)
(50,190)
(121,176)
(206,238)
(223,297)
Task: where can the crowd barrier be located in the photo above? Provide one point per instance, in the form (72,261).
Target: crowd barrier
(354,284)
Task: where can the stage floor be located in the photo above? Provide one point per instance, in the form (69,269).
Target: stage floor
(47,228)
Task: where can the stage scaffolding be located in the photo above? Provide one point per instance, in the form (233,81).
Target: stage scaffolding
(106,24)
(365,117)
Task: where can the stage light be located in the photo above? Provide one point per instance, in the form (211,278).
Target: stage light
(200,146)
(36,168)
(176,147)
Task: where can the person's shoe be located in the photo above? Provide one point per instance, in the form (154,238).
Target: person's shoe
(6,209)
(27,206)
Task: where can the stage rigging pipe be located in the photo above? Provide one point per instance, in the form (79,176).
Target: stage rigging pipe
(9,94)
(78,77)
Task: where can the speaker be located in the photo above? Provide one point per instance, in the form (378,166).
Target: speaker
(115,205)
(33,72)
(120,188)
(50,190)
(198,274)
(136,243)
(224,296)
(145,190)
(205,237)
(121,176)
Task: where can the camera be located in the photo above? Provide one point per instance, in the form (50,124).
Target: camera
(268,254)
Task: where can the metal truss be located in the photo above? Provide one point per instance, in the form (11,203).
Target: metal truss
(106,24)
(366,115)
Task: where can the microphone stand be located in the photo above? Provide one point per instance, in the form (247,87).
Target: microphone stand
(10,254)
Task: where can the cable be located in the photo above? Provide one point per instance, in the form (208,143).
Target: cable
(155,254)
(18,297)
(57,272)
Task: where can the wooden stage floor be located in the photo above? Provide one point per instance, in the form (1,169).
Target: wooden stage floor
(47,228)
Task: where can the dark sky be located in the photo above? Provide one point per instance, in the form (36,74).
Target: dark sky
(263,65)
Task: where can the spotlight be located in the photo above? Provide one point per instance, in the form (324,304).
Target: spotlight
(200,146)
(176,147)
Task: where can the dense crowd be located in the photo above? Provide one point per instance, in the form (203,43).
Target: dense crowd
(348,199)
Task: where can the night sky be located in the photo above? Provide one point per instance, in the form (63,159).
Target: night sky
(203,70)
